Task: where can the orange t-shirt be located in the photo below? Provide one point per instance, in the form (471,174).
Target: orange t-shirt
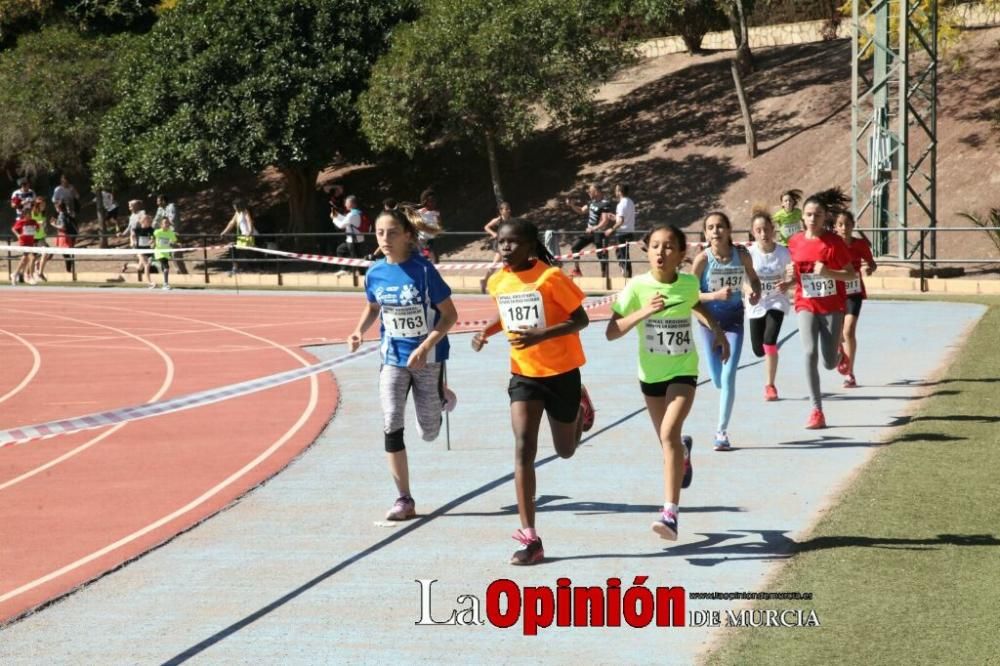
(538,297)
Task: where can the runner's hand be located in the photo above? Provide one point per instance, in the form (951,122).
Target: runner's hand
(526,337)
(722,344)
(418,358)
(354,341)
(478,341)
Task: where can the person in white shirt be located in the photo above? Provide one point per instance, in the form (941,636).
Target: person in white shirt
(66,193)
(349,223)
(429,226)
(623,229)
(137,212)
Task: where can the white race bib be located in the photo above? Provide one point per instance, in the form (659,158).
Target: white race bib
(728,276)
(29,230)
(522,310)
(668,336)
(143,241)
(815,285)
(853,287)
(404,321)
(769,283)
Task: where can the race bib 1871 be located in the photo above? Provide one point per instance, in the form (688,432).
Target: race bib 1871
(668,336)
(815,285)
(522,310)
(404,321)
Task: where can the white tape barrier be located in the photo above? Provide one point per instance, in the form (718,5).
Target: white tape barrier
(99,252)
(23,434)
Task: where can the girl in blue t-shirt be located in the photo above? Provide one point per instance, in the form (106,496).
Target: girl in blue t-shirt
(722,270)
(414,306)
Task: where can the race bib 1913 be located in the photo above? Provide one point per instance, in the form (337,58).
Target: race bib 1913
(815,285)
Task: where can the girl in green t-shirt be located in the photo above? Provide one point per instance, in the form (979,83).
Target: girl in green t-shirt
(788,219)
(663,301)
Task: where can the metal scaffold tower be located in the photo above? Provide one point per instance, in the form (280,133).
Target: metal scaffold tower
(894,123)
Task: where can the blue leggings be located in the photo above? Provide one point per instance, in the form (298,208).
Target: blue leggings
(723,374)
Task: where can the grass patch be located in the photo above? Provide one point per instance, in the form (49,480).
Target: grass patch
(905,569)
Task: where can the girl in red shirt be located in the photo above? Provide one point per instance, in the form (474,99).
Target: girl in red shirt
(861,251)
(821,263)
(25,228)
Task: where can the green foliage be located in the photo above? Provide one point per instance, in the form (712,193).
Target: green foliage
(990,225)
(57,83)
(104,16)
(471,68)
(250,83)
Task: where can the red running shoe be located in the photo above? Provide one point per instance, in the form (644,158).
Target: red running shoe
(575,273)
(844,364)
(770,393)
(816,420)
(850,382)
(587,407)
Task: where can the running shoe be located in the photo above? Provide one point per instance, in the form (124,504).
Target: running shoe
(450,400)
(850,381)
(666,526)
(816,420)
(722,441)
(41,276)
(575,273)
(152,286)
(844,364)
(688,468)
(167,287)
(13,280)
(403,508)
(587,407)
(770,393)
(31,280)
(531,551)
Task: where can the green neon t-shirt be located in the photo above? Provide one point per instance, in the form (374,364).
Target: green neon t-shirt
(162,240)
(787,223)
(666,341)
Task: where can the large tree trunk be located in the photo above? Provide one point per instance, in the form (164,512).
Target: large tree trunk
(491,155)
(751,135)
(300,186)
(736,13)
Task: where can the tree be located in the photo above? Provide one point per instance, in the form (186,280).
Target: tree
(691,19)
(484,71)
(57,84)
(248,83)
(104,16)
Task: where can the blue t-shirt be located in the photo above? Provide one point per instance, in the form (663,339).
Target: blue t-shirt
(408,294)
(728,313)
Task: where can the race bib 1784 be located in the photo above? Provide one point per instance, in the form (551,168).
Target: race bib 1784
(668,336)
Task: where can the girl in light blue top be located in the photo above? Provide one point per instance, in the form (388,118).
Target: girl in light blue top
(723,270)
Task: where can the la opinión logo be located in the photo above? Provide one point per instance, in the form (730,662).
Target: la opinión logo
(567,605)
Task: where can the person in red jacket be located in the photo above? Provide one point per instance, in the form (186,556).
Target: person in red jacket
(861,252)
(821,264)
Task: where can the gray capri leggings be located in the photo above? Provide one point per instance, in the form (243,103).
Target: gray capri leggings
(428,390)
(824,330)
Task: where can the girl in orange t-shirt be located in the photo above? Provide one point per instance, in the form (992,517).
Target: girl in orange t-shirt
(541,311)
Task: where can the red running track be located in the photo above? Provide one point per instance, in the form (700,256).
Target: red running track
(76,506)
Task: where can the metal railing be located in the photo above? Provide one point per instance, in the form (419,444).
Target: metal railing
(216,254)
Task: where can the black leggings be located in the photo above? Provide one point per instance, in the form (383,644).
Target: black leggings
(600,241)
(765,330)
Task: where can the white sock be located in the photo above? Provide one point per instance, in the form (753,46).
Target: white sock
(670,507)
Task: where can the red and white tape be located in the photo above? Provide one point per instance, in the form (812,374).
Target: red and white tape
(22,434)
(100,252)
(589,305)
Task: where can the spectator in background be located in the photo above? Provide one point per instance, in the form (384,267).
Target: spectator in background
(67,193)
(623,229)
(67,230)
(242,222)
(350,224)
(598,211)
(134,220)
(166,210)
(430,224)
(110,204)
(22,196)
